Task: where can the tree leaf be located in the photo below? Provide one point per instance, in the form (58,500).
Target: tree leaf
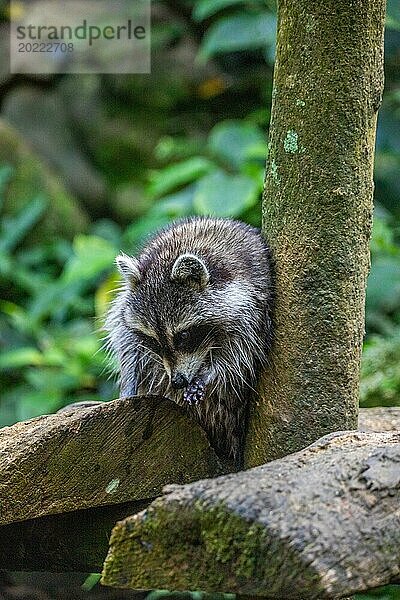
(383,289)
(176,175)
(223,195)
(175,205)
(20,357)
(393,15)
(14,229)
(238,32)
(205,8)
(235,142)
(79,268)
(5,174)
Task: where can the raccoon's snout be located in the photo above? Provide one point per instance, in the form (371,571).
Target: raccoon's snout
(179,381)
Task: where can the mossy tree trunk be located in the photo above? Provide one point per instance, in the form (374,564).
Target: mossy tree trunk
(317,213)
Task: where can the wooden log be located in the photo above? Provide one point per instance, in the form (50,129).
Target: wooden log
(381,418)
(320,523)
(110,453)
(39,542)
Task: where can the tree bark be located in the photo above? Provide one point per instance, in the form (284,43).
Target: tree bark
(317,213)
(321,523)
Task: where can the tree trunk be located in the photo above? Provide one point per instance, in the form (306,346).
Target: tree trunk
(317,214)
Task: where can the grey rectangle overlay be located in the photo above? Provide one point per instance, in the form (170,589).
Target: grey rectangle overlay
(80,36)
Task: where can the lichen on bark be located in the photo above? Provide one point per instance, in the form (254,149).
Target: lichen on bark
(317,214)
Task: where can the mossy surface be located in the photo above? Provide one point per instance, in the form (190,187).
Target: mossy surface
(201,548)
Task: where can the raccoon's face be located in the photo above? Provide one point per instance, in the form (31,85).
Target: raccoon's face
(185,354)
(185,328)
(169,314)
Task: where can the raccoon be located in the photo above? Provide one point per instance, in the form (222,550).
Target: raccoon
(192,322)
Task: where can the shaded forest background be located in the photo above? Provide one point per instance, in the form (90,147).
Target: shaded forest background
(91,165)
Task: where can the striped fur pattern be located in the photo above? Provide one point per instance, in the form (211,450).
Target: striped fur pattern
(192,322)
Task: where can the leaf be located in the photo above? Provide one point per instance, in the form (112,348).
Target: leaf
(15,229)
(380,370)
(21,357)
(18,316)
(136,234)
(179,174)
(238,32)
(173,148)
(205,8)
(38,402)
(393,15)
(175,205)
(382,240)
(90,581)
(223,195)
(5,174)
(48,379)
(92,255)
(236,142)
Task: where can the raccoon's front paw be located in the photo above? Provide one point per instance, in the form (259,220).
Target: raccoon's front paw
(195,391)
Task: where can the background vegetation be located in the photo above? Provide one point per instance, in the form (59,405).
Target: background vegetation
(91,165)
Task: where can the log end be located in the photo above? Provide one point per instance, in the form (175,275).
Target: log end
(218,552)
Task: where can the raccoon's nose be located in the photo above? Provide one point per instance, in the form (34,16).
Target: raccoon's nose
(179,381)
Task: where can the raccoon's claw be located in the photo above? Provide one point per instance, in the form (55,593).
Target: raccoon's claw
(194,393)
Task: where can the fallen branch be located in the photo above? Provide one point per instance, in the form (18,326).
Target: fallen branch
(321,523)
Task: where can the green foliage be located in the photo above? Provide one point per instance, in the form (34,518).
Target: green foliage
(206,8)
(179,174)
(230,166)
(239,32)
(213,191)
(383,292)
(237,143)
(50,348)
(393,15)
(380,373)
(380,384)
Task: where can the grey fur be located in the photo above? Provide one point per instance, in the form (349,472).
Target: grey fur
(211,278)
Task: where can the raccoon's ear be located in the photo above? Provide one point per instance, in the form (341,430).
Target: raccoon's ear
(191,269)
(128,266)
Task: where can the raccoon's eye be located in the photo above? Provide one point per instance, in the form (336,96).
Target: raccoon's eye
(149,342)
(181,338)
(190,339)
